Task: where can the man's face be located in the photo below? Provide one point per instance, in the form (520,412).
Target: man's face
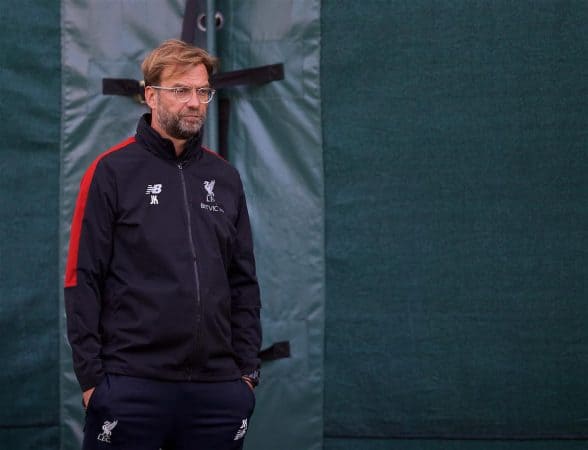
(172,118)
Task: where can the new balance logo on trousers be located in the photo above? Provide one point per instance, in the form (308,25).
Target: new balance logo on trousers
(242,430)
(129,413)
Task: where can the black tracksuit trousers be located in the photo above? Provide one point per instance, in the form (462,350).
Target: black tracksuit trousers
(129,413)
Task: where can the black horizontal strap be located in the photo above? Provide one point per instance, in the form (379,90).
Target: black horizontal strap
(123,86)
(278,350)
(252,76)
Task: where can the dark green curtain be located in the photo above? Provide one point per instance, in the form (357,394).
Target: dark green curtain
(456,223)
(29,182)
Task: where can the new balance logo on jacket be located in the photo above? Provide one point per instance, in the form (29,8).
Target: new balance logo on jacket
(153,190)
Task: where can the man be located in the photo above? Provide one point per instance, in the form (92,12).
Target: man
(161,294)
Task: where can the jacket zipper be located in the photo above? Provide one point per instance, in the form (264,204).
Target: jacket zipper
(193,249)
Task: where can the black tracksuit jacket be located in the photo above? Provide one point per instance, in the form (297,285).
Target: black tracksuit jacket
(160,279)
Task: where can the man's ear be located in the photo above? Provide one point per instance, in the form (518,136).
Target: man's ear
(150,97)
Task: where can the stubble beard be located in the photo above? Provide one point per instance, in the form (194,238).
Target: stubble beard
(177,126)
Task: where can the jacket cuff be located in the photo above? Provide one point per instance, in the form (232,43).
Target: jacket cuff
(90,381)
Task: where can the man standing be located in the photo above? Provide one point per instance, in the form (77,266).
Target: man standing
(161,295)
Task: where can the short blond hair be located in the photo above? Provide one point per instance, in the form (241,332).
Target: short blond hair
(174,53)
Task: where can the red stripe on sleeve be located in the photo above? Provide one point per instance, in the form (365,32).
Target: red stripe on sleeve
(71,269)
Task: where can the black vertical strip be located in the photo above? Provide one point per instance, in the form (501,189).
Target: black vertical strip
(190,31)
(189,22)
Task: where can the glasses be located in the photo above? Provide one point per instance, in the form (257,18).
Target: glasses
(184,93)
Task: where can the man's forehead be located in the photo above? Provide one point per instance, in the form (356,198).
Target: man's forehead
(178,73)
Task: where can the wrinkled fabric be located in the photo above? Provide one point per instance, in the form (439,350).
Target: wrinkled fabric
(275,142)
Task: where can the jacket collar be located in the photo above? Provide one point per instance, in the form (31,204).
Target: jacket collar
(164,148)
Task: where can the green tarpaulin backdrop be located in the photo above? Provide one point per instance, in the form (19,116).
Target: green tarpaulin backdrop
(418,192)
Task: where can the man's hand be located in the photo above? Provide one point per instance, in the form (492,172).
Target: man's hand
(86,397)
(249,383)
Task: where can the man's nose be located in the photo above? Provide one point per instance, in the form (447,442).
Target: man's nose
(194,100)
